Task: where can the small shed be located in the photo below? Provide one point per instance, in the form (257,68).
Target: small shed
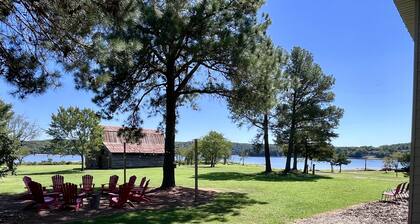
(148,152)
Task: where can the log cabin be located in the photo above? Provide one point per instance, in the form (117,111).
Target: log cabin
(147,152)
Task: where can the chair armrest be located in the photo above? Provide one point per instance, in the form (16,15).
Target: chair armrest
(112,194)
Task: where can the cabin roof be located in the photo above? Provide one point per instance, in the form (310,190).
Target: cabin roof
(152,142)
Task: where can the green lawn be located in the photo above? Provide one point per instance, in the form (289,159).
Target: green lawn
(247,195)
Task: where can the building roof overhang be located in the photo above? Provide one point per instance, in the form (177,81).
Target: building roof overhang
(407,10)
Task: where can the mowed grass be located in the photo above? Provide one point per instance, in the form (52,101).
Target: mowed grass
(247,195)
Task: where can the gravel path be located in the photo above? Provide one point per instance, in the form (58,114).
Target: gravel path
(372,213)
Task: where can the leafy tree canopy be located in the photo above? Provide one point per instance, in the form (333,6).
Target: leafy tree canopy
(76,131)
(213,147)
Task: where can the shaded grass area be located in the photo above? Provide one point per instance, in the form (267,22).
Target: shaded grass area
(261,176)
(247,195)
(226,204)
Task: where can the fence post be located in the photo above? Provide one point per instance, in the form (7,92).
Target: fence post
(195,169)
(313,169)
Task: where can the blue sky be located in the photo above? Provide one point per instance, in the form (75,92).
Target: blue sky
(363,43)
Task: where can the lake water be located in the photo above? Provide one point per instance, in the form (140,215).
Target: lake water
(54,158)
(279,162)
(276,162)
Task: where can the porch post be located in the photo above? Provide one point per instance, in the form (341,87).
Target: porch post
(414,205)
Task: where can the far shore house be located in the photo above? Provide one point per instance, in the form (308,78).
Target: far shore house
(148,152)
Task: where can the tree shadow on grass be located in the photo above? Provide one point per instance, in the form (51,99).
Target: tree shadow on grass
(68,171)
(260,176)
(217,210)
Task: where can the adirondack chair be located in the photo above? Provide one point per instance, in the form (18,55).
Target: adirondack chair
(43,201)
(120,199)
(87,186)
(140,187)
(57,183)
(404,192)
(132,181)
(112,185)
(393,194)
(26,181)
(140,196)
(71,197)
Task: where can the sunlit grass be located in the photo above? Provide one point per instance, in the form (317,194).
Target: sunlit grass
(257,198)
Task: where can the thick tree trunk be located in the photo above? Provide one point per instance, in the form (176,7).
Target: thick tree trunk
(332,168)
(83,161)
(291,146)
(170,122)
(340,168)
(295,158)
(266,146)
(305,168)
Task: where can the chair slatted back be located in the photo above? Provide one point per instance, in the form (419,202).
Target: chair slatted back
(26,181)
(69,193)
(113,180)
(132,181)
(123,194)
(57,181)
(143,180)
(87,182)
(37,193)
(143,190)
(398,189)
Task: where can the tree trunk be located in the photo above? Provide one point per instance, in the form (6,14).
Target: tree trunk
(305,168)
(83,161)
(291,145)
(332,168)
(294,158)
(340,168)
(290,148)
(266,145)
(170,122)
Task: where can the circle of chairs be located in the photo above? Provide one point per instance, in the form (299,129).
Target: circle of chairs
(65,195)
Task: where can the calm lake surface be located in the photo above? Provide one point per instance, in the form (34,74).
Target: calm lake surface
(54,158)
(279,162)
(276,162)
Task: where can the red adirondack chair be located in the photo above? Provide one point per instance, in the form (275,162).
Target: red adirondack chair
(140,196)
(87,186)
(44,201)
(120,199)
(132,181)
(71,197)
(57,183)
(140,187)
(26,181)
(393,194)
(112,185)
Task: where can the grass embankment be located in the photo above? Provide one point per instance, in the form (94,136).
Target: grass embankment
(247,195)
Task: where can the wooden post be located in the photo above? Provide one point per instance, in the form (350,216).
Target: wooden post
(125,164)
(313,169)
(365,164)
(195,169)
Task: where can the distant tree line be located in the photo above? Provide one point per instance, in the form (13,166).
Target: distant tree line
(377,152)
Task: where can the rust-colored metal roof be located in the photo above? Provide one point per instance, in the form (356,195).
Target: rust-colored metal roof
(151,142)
